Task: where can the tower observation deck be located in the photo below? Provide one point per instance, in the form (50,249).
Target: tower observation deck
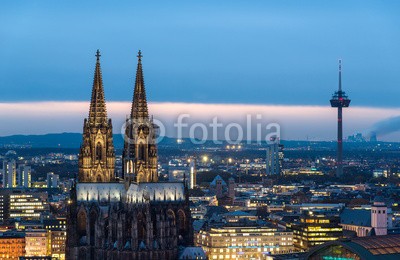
(340,100)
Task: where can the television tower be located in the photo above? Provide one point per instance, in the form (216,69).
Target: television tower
(340,100)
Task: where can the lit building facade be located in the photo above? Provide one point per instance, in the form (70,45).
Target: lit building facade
(36,242)
(244,242)
(12,245)
(24,176)
(57,235)
(23,204)
(9,174)
(192,179)
(315,229)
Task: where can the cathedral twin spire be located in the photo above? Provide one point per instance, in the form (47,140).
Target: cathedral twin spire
(139,103)
(98,111)
(97,155)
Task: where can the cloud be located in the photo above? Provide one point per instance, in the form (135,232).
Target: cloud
(296,122)
(386,126)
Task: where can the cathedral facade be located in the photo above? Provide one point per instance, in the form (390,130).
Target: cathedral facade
(134,217)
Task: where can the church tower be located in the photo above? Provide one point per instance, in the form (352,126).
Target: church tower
(97,155)
(140,149)
(379,218)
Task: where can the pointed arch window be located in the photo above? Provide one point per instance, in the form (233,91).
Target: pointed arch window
(99,151)
(141,150)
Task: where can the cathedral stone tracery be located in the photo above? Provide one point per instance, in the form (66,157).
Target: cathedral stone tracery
(133,218)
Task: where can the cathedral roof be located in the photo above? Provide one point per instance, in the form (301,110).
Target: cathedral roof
(142,192)
(139,103)
(100,191)
(97,111)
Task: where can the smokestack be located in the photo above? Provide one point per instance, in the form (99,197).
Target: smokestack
(373,137)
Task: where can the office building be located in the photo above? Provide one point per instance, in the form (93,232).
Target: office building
(241,235)
(22,204)
(274,158)
(315,228)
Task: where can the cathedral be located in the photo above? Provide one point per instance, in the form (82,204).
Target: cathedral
(133,217)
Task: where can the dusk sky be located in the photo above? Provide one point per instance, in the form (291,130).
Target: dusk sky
(260,53)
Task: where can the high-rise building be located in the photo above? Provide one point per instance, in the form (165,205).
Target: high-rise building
(9,174)
(52,180)
(134,217)
(24,176)
(192,172)
(274,158)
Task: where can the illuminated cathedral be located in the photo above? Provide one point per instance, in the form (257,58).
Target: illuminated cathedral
(133,217)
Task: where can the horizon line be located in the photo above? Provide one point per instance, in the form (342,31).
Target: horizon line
(195,102)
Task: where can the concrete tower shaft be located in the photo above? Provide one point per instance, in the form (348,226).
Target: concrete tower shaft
(340,100)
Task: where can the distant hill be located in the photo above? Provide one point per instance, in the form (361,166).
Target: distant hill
(63,140)
(73,140)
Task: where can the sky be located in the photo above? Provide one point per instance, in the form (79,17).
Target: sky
(280,56)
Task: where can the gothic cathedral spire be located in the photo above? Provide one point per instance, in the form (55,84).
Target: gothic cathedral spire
(140,149)
(139,102)
(97,155)
(97,111)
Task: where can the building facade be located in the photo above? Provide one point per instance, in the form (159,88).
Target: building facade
(314,229)
(23,204)
(57,234)
(134,217)
(24,176)
(12,245)
(240,235)
(97,155)
(274,158)
(9,174)
(36,242)
(364,222)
